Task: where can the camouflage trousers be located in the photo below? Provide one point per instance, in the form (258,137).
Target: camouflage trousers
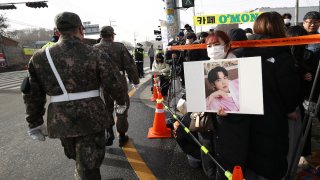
(122,124)
(88,152)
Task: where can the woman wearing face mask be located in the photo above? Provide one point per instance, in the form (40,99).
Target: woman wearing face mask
(229,142)
(286,19)
(218,46)
(226,92)
(162,70)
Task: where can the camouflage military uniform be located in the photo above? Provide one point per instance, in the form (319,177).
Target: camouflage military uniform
(79,124)
(122,58)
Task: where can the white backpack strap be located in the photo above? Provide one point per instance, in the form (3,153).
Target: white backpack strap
(56,74)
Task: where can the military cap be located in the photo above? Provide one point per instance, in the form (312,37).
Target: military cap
(66,20)
(107,30)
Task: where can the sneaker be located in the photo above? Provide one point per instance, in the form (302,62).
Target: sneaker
(123,140)
(304,161)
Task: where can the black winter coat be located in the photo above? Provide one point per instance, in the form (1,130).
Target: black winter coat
(268,145)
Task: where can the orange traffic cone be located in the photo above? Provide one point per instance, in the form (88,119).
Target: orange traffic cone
(155,84)
(237,173)
(159,129)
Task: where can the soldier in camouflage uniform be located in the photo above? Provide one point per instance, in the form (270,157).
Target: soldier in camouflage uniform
(122,58)
(76,114)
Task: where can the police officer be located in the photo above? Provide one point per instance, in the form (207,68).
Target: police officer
(54,38)
(138,55)
(123,59)
(71,72)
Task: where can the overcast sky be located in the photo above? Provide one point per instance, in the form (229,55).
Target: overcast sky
(129,17)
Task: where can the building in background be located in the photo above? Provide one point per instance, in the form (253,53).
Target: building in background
(301,11)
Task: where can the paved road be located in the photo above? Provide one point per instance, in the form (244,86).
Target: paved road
(11,80)
(23,158)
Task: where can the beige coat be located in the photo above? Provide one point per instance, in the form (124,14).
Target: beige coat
(163,68)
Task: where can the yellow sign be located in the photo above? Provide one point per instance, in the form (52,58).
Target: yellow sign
(28,51)
(225,18)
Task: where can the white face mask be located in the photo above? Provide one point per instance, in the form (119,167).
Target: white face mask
(188,41)
(216,52)
(286,21)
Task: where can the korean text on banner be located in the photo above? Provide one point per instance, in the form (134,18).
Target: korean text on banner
(225,18)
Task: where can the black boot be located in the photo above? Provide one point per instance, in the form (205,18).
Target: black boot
(123,139)
(110,136)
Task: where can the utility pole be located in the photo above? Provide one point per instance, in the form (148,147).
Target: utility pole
(111,21)
(296,13)
(194,14)
(173,21)
(134,38)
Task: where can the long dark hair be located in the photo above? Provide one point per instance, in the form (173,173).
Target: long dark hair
(297,51)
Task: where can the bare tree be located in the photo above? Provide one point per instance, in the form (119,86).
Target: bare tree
(29,37)
(3,24)
(128,45)
(147,43)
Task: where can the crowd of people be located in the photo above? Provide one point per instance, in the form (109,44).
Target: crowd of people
(262,145)
(82,100)
(85,84)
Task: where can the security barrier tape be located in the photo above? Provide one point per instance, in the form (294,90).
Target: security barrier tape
(288,41)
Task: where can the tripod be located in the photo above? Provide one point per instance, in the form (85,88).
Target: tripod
(310,113)
(174,84)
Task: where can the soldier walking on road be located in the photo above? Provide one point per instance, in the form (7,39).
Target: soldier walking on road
(138,56)
(123,59)
(71,73)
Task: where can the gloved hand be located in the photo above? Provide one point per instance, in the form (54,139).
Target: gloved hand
(37,134)
(135,86)
(120,109)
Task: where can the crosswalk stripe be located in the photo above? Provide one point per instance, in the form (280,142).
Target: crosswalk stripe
(11,80)
(16,87)
(11,85)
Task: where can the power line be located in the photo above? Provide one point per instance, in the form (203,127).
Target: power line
(25,24)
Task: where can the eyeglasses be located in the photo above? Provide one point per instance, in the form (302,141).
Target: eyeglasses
(316,23)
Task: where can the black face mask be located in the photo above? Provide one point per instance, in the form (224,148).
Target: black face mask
(54,38)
